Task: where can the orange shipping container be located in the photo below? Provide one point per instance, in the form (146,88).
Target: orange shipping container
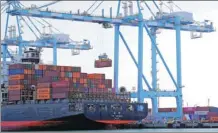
(91,76)
(76,74)
(214,119)
(43,91)
(44,67)
(74,80)
(81,81)
(95,76)
(43,96)
(40,67)
(62,69)
(101,86)
(66,79)
(15,87)
(16,77)
(62,74)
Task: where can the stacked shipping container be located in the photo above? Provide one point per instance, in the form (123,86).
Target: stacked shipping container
(53,81)
(198,113)
(22,77)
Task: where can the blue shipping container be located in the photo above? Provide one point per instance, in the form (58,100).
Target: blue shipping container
(15,71)
(213,109)
(39,72)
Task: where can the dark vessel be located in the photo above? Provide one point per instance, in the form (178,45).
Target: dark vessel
(47,97)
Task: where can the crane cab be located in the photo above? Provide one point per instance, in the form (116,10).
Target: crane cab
(103,61)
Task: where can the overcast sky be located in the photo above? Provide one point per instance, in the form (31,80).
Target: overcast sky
(199,57)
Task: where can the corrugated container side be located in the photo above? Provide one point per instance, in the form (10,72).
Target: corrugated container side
(16,77)
(212,114)
(14,98)
(214,119)
(16,66)
(202,108)
(165,109)
(59,95)
(201,112)
(43,85)
(43,96)
(76,74)
(15,82)
(60,84)
(189,112)
(213,109)
(15,87)
(45,79)
(51,73)
(100,64)
(94,89)
(76,69)
(189,109)
(39,72)
(15,71)
(43,91)
(60,90)
(83,75)
(14,92)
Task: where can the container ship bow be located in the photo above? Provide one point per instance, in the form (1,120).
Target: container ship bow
(47,97)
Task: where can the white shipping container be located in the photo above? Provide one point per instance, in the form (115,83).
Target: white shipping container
(61,38)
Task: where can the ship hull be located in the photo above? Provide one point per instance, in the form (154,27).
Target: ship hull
(61,116)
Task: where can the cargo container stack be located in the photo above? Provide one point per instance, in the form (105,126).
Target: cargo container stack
(60,89)
(45,82)
(21,82)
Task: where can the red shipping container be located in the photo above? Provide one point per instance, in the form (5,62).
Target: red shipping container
(202,108)
(14,98)
(60,90)
(189,109)
(51,73)
(214,119)
(60,84)
(43,85)
(100,90)
(212,114)
(15,82)
(14,92)
(94,90)
(188,112)
(45,79)
(59,95)
(16,66)
(99,64)
(165,109)
(90,90)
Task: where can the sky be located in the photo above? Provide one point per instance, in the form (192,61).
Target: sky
(199,56)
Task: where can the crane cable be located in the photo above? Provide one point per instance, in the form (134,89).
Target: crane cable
(96,7)
(91,6)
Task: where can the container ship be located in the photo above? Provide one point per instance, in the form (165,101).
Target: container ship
(47,97)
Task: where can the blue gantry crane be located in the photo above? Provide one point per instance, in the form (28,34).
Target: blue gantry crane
(178,21)
(43,40)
